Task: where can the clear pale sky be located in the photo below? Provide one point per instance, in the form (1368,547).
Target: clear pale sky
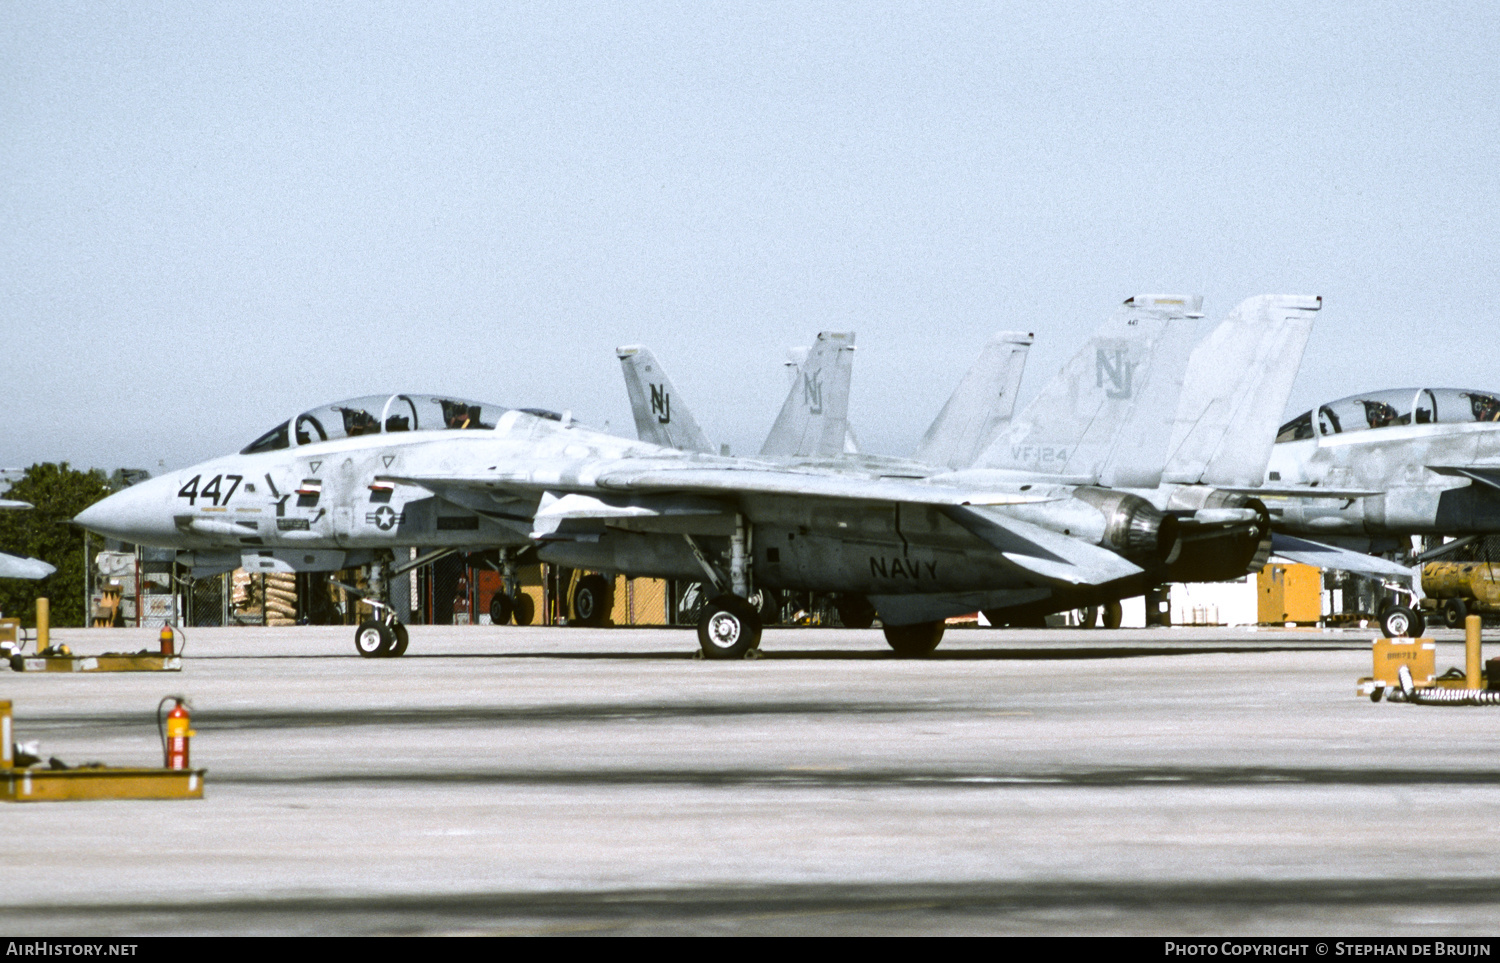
(213,216)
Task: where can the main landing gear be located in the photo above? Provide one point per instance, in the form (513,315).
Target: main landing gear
(729,628)
(914,641)
(730,625)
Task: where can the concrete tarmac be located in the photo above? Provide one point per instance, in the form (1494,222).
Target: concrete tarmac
(560,780)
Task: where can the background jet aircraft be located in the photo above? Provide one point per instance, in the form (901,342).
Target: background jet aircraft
(1367,472)
(15,566)
(1428,460)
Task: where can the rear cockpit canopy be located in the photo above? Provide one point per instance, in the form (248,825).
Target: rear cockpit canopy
(1394,406)
(375,414)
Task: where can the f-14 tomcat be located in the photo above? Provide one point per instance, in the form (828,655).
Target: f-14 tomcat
(1366,472)
(347,484)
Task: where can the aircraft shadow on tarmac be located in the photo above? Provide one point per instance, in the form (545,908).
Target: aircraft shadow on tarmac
(1039,653)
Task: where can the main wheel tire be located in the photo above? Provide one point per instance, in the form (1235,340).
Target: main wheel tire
(373,640)
(1455,611)
(1088,617)
(767,603)
(523,609)
(728,628)
(398,648)
(855,611)
(914,641)
(499,608)
(591,600)
(1401,622)
(1114,614)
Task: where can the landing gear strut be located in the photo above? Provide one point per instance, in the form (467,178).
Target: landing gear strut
(730,625)
(383,636)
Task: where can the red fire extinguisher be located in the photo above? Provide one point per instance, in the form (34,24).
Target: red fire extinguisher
(175,735)
(168,641)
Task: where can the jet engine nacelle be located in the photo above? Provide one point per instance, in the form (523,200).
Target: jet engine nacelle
(1224,554)
(1126,524)
(1134,527)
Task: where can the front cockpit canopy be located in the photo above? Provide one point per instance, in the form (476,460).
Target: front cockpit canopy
(1394,406)
(377,414)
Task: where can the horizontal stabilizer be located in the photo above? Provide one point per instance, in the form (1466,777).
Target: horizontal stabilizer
(12,503)
(660,417)
(1041,552)
(1237,385)
(13,566)
(980,406)
(1307,552)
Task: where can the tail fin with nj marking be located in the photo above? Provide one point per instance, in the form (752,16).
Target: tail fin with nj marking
(980,406)
(814,421)
(1238,381)
(660,418)
(1106,418)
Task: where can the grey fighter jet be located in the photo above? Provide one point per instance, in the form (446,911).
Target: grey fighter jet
(15,566)
(1365,473)
(1237,383)
(348,484)
(1394,463)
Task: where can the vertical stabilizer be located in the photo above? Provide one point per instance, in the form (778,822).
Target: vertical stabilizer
(980,406)
(814,421)
(1238,382)
(1106,418)
(660,417)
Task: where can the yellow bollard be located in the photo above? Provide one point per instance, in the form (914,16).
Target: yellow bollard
(1471,653)
(43,624)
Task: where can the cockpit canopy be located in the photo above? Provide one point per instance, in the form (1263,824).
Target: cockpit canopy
(377,414)
(1395,406)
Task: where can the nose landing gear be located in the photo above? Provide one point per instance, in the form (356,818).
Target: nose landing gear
(383,636)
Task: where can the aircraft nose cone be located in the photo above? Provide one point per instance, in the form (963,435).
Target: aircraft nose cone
(137,514)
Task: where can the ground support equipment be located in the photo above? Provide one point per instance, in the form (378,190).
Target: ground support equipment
(24,778)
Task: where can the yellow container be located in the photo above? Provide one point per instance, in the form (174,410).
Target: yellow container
(1418,655)
(1289,593)
(1479,581)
